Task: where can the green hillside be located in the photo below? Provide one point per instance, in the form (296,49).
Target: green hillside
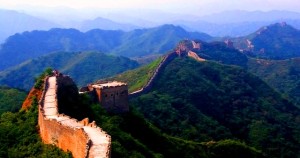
(215,51)
(203,101)
(128,140)
(19,136)
(283,75)
(84,67)
(137,78)
(11,99)
(133,136)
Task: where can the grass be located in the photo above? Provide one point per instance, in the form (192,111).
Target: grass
(137,78)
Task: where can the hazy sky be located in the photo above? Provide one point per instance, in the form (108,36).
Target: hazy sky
(197,7)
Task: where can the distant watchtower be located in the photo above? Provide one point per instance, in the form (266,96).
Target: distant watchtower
(113,96)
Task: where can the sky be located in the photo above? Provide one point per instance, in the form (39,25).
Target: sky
(193,7)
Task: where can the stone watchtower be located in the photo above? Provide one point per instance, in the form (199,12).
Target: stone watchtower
(113,96)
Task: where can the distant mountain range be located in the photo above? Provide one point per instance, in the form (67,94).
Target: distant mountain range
(229,23)
(136,43)
(105,24)
(276,41)
(239,23)
(230,29)
(13,22)
(84,67)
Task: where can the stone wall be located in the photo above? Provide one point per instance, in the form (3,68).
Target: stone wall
(145,89)
(64,137)
(83,139)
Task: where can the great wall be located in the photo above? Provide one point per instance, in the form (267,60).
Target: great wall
(83,139)
(181,50)
(86,139)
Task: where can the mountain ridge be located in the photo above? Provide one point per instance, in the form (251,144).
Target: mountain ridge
(276,41)
(234,16)
(137,43)
(86,67)
(105,24)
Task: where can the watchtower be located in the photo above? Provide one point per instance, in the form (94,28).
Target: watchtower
(113,96)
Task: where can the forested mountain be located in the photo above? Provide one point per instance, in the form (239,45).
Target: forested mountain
(283,75)
(22,137)
(238,102)
(140,42)
(205,101)
(84,67)
(276,41)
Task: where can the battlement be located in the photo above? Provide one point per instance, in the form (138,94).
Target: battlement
(106,85)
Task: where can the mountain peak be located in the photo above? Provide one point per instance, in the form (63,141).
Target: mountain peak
(171,27)
(275,41)
(274,27)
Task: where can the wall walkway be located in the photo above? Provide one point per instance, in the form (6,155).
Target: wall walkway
(83,139)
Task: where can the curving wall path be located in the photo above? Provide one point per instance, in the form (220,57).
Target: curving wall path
(83,139)
(181,50)
(146,88)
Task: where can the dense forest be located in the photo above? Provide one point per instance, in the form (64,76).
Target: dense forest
(23,140)
(283,75)
(11,99)
(129,141)
(209,101)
